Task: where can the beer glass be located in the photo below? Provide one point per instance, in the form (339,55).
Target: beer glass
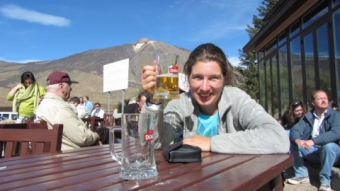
(167,76)
(137,157)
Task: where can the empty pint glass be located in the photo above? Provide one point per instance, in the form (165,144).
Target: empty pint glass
(167,76)
(137,158)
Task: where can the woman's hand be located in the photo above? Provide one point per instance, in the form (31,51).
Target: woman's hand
(148,79)
(15,89)
(18,86)
(199,141)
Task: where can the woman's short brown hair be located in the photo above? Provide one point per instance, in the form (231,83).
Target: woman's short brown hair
(210,52)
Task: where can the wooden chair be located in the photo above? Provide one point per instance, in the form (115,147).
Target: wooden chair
(15,144)
(28,125)
(41,125)
(95,119)
(117,119)
(38,137)
(109,120)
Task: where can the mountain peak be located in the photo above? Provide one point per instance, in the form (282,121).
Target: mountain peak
(142,40)
(137,45)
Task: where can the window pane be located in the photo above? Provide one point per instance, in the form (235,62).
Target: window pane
(276,104)
(271,46)
(309,57)
(336,19)
(325,80)
(294,29)
(284,78)
(282,38)
(269,88)
(295,48)
(262,84)
(315,14)
(261,54)
(336,2)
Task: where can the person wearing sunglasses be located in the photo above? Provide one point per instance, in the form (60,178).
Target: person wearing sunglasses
(315,138)
(294,112)
(97,112)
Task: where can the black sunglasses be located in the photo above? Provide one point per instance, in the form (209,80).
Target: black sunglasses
(295,104)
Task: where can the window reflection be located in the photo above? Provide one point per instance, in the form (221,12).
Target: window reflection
(262,84)
(295,56)
(315,14)
(275,89)
(309,62)
(284,78)
(261,54)
(269,87)
(323,54)
(336,2)
(294,29)
(282,38)
(336,19)
(272,46)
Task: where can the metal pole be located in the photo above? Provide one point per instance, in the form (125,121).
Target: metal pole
(123,100)
(108,102)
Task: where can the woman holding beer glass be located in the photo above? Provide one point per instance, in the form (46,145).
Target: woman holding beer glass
(214,115)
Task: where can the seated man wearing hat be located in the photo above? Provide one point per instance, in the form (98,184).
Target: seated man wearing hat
(55,109)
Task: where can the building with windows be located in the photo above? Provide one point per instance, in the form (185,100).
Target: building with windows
(298,51)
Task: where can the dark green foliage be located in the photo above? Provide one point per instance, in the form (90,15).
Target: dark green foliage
(249,80)
(247,67)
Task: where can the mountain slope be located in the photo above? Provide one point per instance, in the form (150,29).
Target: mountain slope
(87,69)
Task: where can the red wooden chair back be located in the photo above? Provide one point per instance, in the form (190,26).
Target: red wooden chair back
(37,137)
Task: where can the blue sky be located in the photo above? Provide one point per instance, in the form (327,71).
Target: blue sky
(40,30)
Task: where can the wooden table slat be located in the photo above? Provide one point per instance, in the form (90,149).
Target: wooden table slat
(242,177)
(216,165)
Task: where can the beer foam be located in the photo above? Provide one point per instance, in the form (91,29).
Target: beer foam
(168,75)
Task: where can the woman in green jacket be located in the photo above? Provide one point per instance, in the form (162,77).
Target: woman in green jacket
(26,96)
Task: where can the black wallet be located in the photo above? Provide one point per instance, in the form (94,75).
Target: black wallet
(179,152)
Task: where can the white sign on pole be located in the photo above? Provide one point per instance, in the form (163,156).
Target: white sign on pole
(116,75)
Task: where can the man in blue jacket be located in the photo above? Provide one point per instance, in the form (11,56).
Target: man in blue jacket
(315,138)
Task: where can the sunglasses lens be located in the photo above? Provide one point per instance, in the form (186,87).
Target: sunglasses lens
(297,104)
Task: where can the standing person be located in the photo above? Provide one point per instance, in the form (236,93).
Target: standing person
(26,96)
(81,101)
(80,110)
(97,112)
(136,107)
(294,112)
(55,110)
(214,115)
(88,105)
(315,138)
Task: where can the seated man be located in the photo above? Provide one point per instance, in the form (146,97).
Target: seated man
(55,110)
(315,138)
(136,107)
(97,112)
(79,109)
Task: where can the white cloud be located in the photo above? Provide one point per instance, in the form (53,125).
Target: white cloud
(234,61)
(19,61)
(16,12)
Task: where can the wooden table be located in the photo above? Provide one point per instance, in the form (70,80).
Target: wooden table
(90,122)
(92,168)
